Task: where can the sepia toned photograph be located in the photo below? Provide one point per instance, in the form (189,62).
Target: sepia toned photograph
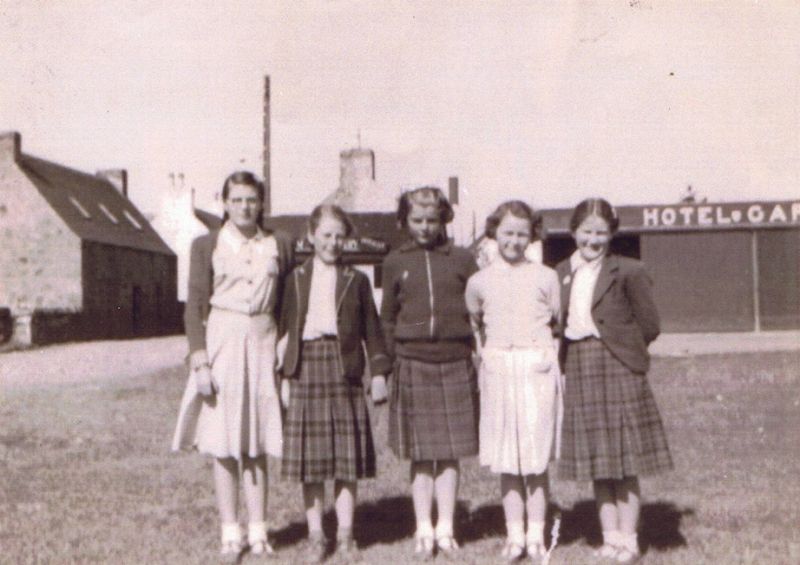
(339,281)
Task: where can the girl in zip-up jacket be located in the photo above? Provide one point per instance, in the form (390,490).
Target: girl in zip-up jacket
(433,417)
(328,317)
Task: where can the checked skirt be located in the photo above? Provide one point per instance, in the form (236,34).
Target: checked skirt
(612,428)
(433,410)
(327,433)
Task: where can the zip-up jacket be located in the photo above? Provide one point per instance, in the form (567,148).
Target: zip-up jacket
(423,294)
(357,322)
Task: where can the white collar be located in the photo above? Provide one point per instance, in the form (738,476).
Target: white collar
(231,235)
(321,266)
(576,261)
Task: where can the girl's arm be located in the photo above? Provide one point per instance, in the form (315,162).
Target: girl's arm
(371,331)
(197,300)
(637,288)
(390,306)
(474,300)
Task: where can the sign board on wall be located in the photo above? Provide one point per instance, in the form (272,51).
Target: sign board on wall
(684,216)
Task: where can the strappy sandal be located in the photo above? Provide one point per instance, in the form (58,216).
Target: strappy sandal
(512,550)
(447,546)
(230,552)
(536,551)
(607,552)
(423,548)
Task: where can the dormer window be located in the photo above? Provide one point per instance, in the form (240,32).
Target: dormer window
(84,212)
(112,218)
(134,222)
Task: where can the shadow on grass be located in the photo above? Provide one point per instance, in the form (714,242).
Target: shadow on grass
(660,524)
(390,520)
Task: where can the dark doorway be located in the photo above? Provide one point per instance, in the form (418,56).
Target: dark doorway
(136,310)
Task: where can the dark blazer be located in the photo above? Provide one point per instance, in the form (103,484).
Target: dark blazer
(201,279)
(356,322)
(622,309)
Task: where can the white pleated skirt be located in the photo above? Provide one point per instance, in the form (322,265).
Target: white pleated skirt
(519,409)
(244,417)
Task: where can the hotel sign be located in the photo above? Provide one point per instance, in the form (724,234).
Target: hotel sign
(704,216)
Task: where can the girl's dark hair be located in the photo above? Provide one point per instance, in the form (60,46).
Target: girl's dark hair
(332,211)
(248,179)
(518,209)
(424,196)
(594,207)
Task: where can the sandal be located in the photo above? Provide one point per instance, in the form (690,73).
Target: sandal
(423,548)
(230,552)
(627,555)
(317,547)
(607,551)
(536,551)
(512,550)
(447,546)
(261,547)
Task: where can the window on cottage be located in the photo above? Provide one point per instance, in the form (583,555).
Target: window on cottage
(134,222)
(108,213)
(84,212)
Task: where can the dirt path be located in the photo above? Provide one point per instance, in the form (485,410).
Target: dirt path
(90,361)
(102,360)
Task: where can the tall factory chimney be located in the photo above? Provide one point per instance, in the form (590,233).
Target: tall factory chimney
(267,178)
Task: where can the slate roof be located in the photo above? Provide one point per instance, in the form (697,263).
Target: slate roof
(376,225)
(62,187)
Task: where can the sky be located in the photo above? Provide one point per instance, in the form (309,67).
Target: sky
(551,102)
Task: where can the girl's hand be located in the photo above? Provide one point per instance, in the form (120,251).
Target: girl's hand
(206,385)
(378,390)
(285,392)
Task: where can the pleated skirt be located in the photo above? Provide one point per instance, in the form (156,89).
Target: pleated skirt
(612,428)
(244,417)
(327,433)
(518,404)
(433,410)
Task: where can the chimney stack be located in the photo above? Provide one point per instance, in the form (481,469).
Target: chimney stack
(267,155)
(118,179)
(452,189)
(10,146)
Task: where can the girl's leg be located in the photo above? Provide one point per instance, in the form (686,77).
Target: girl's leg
(446,488)
(628,507)
(346,493)
(313,499)
(606,499)
(512,490)
(422,494)
(254,478)
(226,487)
(536,489)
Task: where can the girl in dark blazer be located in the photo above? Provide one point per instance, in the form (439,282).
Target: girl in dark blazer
(612,431)
(328,315)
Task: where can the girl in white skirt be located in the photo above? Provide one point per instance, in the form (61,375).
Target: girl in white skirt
(513,304)
(231,409)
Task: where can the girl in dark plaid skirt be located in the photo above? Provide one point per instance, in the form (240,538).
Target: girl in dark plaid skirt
(433,400)
(612,431)
(327,317)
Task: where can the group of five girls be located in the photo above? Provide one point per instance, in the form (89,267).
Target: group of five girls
(262,335)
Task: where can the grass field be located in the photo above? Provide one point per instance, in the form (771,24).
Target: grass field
(86,477)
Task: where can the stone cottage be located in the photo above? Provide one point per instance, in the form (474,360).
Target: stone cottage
(77,259)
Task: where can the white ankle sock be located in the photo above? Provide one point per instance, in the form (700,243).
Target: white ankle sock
(611,537)
(256,531)
(516,532)
(425,529)
(535,533)
(231,532)
(444,529)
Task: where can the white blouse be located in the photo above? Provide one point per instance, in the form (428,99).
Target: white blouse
(321,316)
(580,324)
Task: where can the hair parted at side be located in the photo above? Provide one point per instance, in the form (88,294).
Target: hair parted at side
(424,196)
(516,208)
(248,179)
(331,211)
(599,207)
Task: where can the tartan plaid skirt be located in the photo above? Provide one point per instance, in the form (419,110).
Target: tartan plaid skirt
(612,428)
(433,410)
(327,433)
